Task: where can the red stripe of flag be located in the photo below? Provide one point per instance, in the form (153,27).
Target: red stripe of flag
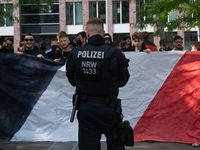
(174,113)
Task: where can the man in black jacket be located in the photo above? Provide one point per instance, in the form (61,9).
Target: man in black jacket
(108,39)
(7,46)
(97,70)
(30,49)
(164,45)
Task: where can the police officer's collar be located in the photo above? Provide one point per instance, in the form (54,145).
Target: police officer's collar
(96,40)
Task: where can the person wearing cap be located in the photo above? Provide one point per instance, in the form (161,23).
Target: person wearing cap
(108,39)
(164,45)
(127,38)
(178,43)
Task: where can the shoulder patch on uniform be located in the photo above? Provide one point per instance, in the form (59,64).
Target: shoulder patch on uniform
(122,53)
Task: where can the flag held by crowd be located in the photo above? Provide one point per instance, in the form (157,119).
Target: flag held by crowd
(161,99)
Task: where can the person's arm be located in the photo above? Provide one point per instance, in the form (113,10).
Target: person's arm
(45,55)
(40,56)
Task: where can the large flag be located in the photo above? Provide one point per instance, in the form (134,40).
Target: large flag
(23,79)
(161,99)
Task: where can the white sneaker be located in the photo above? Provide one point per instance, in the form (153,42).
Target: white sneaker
(195,145)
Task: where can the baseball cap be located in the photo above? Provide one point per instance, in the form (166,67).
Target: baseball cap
(177,37)
(107,36)
(163,42)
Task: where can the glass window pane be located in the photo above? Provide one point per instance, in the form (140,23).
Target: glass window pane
(190,37)
(48,9)
(39,19)
(2,19)
(170,37)
(9,20)
(102,10)
(92,9)
(173,16)
(69,14)
(29,10)
(138,5)
(116,12)
(78,13)
(125,12)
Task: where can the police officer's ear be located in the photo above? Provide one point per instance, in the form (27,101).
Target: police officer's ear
(103,33)
(87,33)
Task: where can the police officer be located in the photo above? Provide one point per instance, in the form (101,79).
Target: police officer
(97,70)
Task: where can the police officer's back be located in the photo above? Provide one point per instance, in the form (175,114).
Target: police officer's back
(97,70)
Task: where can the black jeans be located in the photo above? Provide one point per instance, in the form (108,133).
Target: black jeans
(95,120)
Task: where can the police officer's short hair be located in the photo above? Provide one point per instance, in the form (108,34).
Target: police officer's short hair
(95,21)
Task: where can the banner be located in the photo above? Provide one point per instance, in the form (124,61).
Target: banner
(160,100)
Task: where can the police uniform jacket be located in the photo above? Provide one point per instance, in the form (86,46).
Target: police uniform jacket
(96,69)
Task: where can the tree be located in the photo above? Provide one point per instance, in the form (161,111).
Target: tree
(17,3)
(156,14)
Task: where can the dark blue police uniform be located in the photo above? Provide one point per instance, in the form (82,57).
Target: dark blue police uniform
(97,70)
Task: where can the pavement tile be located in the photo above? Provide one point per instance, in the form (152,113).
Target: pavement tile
(5,145)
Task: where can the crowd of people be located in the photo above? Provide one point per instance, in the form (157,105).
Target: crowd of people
(60,46)
(95,95)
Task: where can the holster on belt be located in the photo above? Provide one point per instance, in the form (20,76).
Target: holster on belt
(119,109)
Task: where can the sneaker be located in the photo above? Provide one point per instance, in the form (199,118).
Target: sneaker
(195,145)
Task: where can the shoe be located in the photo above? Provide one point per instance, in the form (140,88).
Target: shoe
(195,145)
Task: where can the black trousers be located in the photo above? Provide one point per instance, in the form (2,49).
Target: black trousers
(95,120)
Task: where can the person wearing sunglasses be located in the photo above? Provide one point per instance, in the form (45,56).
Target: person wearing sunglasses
(7,46)
(30,49)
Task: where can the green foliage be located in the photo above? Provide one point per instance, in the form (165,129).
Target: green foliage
(157,11)
(37,4)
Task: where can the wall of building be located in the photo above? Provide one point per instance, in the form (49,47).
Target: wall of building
(18,29)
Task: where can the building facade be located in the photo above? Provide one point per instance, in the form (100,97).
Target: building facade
(71,16)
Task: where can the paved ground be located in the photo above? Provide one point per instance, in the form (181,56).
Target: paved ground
(74,146)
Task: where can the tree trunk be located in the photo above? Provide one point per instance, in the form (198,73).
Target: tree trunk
(162,33)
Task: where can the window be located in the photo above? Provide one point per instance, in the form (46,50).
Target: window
(139,3)
(170,37)
(190,37)
(172,16)
(120,12)
(74,13)
(97,9)
(140,17)
(45,15)
(8,20)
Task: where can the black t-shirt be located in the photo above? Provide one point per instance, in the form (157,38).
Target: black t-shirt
(61,54)
(36,52)
(6,50)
